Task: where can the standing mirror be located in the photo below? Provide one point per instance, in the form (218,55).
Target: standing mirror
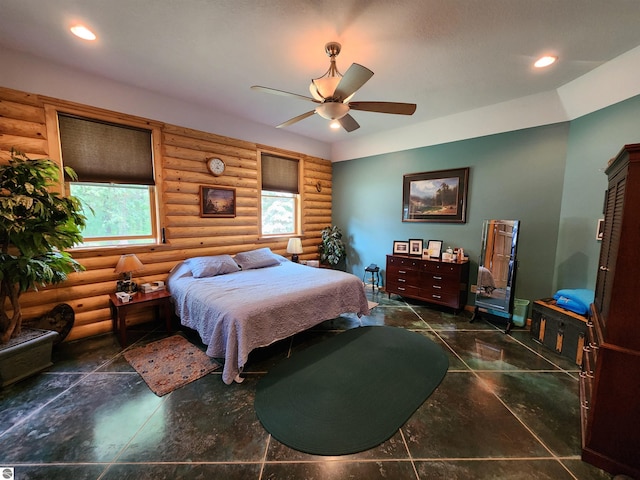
(497,268)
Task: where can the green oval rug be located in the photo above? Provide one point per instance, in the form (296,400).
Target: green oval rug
(351,392)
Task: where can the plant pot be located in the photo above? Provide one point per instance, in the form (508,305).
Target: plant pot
(26,355)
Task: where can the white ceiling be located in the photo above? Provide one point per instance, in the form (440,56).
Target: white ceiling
(447,56)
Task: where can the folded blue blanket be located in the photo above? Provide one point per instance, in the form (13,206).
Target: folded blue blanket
(576,300)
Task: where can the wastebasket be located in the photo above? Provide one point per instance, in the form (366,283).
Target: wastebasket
(520,312)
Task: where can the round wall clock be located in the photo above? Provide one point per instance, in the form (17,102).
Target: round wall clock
(216,166)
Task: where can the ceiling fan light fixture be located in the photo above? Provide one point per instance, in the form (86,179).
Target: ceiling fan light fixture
(335,124)
(332,110)
(83,32)
(323,87)
(545,61)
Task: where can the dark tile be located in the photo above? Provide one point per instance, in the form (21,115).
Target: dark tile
(23,398)
(59,472)
(547,402)
(90,422)
(205,421)
(173,471)
(493,469)
(393,449)
(85,355)
(338,470)
(585,471)
(394,316)
(485,350)
(445,320)
(462,419)
(454,361)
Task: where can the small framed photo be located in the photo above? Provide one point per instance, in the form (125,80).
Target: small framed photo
(600,229)
(435,248)
(217,201)
(415,247)
(400,247)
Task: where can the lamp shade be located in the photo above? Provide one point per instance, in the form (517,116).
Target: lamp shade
(294,246)
(128,263)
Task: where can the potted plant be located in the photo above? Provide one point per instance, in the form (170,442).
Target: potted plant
(37,224)
(332,249)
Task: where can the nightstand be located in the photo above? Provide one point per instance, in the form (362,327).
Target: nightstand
(161,300)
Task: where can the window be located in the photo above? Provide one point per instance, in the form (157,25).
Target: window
(280,198)
(114,164)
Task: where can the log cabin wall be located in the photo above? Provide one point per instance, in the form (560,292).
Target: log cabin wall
(28,123)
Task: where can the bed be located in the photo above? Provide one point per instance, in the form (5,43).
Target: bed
(239,304)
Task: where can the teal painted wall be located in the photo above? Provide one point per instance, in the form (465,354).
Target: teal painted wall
(550,178)
(516,176)
(593,140)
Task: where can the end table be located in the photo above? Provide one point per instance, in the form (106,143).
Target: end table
(160,300)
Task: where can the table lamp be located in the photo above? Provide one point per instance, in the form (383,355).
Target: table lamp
(127,264)
(294,247)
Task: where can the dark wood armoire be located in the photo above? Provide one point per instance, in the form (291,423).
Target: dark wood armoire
(610,377)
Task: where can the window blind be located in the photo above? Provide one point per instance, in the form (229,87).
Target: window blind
(279,174)
(104,152)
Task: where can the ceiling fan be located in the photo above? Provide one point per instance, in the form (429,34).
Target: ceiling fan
(333,91)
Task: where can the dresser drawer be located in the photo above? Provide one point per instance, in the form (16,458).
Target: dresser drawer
(403,289)
(443,268)
(439,297)
(400,274)
(406,262)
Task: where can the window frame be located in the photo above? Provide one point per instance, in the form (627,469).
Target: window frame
(298,197)
(53,108)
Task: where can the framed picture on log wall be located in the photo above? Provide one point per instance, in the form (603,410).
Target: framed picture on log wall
(439,196)
(217,201)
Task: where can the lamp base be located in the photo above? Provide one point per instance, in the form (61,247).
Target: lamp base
(295,259)
(126,286)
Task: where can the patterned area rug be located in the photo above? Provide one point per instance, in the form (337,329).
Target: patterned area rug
(170,363)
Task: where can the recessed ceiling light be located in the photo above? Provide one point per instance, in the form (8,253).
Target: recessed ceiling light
(83,32)
(545,61)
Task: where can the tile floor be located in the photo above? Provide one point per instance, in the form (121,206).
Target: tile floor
(507,409)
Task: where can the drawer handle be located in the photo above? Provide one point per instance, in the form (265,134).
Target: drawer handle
(437,296)
(603,268)
(401,288)
(402,279)
(437,278)
(436,286)
(402,271)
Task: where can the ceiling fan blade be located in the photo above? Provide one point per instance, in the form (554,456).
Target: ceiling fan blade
(348,123)
(273,91)
(296,119)
(384,107)
(352,80)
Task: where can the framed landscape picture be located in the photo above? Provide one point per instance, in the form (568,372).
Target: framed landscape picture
(217,201)
(439,196)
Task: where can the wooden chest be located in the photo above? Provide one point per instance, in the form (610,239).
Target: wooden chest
(558,329)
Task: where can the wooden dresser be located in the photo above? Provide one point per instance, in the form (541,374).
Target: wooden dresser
(434,281)
(610,377)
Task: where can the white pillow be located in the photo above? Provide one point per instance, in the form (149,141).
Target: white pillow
(262,257)
(212,266)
